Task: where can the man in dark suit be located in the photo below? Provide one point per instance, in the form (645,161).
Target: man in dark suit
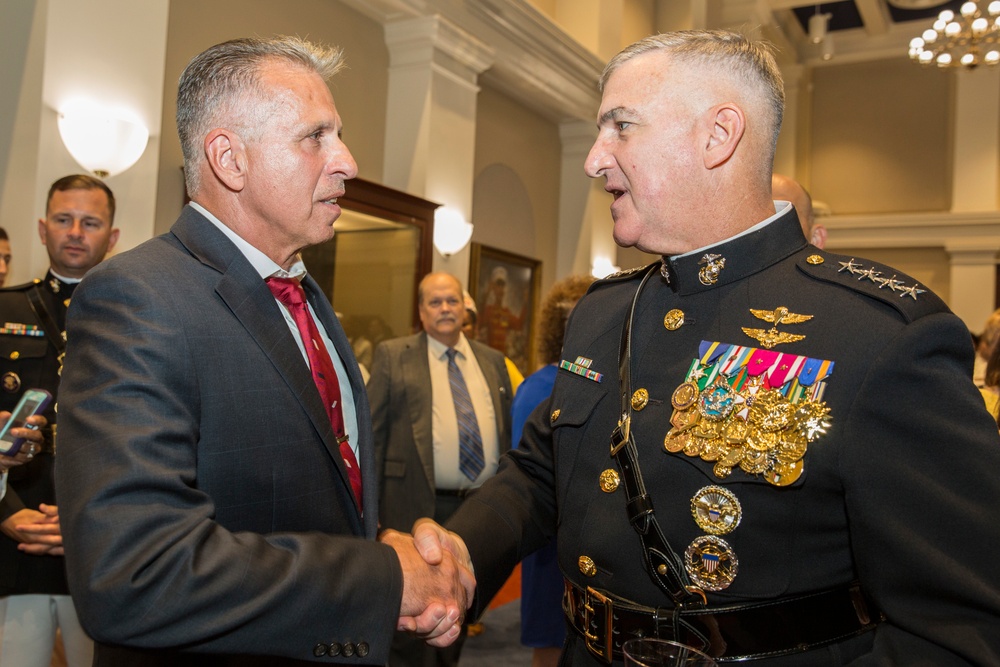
(417,425)
(790,465)
(218,493)
(77,232)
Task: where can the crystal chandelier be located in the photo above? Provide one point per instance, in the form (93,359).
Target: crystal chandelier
(968,39)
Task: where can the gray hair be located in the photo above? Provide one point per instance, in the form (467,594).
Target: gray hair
(744,59)
(221,87)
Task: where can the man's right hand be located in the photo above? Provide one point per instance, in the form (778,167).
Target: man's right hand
(436,596)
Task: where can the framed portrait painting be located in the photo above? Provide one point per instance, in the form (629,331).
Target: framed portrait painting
(505,288)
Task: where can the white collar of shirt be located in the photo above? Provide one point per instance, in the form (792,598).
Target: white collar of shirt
(438,349)
(780,208)
(261,263)
(64,279)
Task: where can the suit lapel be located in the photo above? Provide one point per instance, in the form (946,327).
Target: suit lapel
(419,398)
(251,302)
(495,382)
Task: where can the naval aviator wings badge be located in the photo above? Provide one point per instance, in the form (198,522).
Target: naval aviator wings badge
(772,336)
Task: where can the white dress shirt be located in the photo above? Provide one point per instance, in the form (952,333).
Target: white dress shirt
(444,421)
(266,267)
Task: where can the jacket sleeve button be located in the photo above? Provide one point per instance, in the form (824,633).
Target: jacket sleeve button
(319,650)
(348,649)
(335,650)
(362,649)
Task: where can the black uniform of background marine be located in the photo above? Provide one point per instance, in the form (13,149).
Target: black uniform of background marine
(28,362)
(900,494)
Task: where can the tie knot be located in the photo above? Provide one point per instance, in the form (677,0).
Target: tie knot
(286,290)
(451,353)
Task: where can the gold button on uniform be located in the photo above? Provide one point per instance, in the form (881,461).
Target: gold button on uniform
(610,480)
(640,399)
(15,354)
(815,259)
(586,565)
(674,320)
(555,415)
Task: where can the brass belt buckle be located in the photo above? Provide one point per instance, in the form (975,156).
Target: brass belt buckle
(598,609)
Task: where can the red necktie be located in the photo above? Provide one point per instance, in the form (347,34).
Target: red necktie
(289,292)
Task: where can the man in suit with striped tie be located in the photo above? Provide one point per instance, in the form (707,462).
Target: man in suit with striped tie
(440,419)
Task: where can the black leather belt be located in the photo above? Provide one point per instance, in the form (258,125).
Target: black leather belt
(745,631)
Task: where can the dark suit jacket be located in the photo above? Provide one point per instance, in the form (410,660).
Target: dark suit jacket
(900,493)
(204,502)
(400,393)
(28,362)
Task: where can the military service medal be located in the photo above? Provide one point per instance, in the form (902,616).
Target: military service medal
(750,408)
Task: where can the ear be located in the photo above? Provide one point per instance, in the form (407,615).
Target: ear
(726,124)
(41,229)
(818,236)
(225,154)
(113,238)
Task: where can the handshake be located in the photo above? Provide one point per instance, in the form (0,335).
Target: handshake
(438,581)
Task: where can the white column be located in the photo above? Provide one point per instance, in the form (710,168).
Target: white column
(431,118)
(575,239)
(973,279)
(976,170)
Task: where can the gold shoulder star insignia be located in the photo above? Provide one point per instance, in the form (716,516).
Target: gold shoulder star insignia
(771,337)
(779,315)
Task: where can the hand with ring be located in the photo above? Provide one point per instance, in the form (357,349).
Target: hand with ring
(32,432)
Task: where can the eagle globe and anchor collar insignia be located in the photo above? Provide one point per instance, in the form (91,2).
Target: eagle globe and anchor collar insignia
(750,408)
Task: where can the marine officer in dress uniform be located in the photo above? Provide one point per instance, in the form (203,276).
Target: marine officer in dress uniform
(761,448)
(77,233)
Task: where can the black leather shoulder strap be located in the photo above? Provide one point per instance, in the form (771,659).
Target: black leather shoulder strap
(52,331)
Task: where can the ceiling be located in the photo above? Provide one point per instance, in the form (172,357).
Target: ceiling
(862,29)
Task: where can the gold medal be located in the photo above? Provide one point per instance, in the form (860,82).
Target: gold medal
(682,420)
(675,441)
(693,446)
(711,563)
(754,462)
(713,450)
(716,510)
(684,396)
(721,471)
(640,399)
(784,474)
(10,381)
(609,480)
(791,447)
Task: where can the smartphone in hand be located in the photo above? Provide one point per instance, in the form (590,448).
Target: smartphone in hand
(33,402)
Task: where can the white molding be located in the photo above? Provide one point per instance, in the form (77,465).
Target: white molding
(955,231)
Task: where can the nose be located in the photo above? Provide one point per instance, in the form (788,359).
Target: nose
(76,230)
(341,162)
(598,159)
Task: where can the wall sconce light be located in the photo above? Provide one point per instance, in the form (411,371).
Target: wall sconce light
(104,141)
(602,267)
(451,231)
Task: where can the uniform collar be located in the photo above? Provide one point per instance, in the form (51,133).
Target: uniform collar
(735,259)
